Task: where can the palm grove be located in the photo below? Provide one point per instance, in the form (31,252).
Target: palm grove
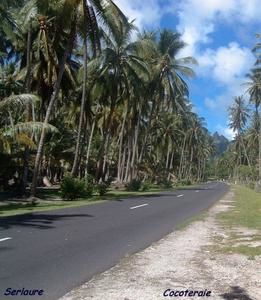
(80,96)
(242,161)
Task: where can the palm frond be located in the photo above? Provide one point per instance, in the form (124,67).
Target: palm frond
(15,101)
(33,128)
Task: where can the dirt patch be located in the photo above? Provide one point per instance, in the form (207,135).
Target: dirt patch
(186,259)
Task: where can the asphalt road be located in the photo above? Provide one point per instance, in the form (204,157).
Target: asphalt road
(57,251)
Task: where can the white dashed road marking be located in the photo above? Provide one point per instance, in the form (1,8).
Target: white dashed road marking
(5,239)
(180,196)
(145,204)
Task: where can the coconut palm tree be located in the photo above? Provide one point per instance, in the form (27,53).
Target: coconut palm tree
(239,115)
(120,78)
(254,91)
(94,12)
(168,86)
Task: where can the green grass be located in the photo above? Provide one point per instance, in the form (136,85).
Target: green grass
(48,201)
(23,208)
(245,213)
(247,209)
(243,249)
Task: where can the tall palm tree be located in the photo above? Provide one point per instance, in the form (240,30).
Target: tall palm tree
(121,76)
(254,90)
(93,12)
(168,71)
(67,51)
(239,115)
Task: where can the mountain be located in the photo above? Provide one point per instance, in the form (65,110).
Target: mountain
(221,143)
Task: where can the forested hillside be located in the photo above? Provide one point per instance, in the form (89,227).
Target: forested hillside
(221,143)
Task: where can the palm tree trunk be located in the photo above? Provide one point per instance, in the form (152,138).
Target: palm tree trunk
(90,143)
(199,169)
(182,158)
(102,147)
(85,56)
(136,135)
(171,161)
(28,89)
(128,161)
(244,147)
(120,145)
(259,148)
(190,165)
(147,129)
(105,156)
(51,104)
(123,165)
(167,160)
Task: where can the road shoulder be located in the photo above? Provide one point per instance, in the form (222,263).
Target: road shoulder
(186,259)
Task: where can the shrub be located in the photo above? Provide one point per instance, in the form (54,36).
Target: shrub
(89,185)
(166,184)
(185,182)
(251,185)
(102,188)
(89,189)
(245,173)
(145,186)
(133,185)
(72,188)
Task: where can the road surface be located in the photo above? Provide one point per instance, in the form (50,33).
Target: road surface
(56,251)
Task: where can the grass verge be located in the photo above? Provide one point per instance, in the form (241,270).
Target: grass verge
(48,201)
(246,211)
(51,200)
(244,223)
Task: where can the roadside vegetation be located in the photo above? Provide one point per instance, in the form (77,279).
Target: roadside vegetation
(241,163)
(50,199)
(89,104)
(83,93)
(246,210)
(243,222)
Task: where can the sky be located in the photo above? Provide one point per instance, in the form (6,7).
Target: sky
(219,34)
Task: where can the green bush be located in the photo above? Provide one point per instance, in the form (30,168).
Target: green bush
(134,185)
(251,185)
(102,188)
(89,185)
(245,173)
(145,186)
(185,182)
(72,188)
(166,184)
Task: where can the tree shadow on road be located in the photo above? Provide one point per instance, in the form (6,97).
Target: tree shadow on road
(39,221)
(193,189)
(236,293)
(122,198)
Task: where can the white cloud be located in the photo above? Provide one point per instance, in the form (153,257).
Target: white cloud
(231,63)
(221,102)
(228,67)
(145,13)
(225,64)
(226,131)
(198,20)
